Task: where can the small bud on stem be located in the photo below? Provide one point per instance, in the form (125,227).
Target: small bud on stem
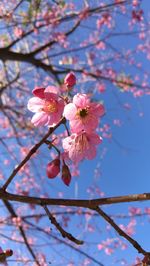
(66,175)
(53,168)
(70,80)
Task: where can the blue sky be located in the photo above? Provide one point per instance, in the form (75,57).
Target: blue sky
(124,169)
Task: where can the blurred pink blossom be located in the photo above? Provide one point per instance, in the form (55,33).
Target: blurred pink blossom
(134,211)
(18,32)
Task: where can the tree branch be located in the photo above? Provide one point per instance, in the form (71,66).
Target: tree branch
(60,229)
(134,243)
(71,202)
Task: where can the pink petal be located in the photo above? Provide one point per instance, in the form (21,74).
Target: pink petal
(39,92)
(76,125)
(35,104)
(50,96)
(40,119)
(66,143)
(95,139)
(101,109)
(91,123)
(75,155)
(53,119)
(70,111)
(81,100)
(61,105)
(91,153)
(52,89)
(97,109)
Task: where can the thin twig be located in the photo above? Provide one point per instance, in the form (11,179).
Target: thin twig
(67,129)
(62,241)
(133,242)
(60,229)
(50,145)
(22,232)
(31,152)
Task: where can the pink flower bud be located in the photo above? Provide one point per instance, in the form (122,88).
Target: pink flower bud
(70,79)
(53,168)
(66,175)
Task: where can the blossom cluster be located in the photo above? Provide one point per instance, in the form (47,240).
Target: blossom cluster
(83,116)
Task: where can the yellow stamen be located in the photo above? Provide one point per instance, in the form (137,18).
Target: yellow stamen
(82,143)
(50,106)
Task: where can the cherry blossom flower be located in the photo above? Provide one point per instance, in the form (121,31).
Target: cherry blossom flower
(134,211)
(147,210)
(17,221)
(47,106)
(101,88)
(109,251)
(18,32)
(100,246)
(101,45)
(82,145)
(83,114)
